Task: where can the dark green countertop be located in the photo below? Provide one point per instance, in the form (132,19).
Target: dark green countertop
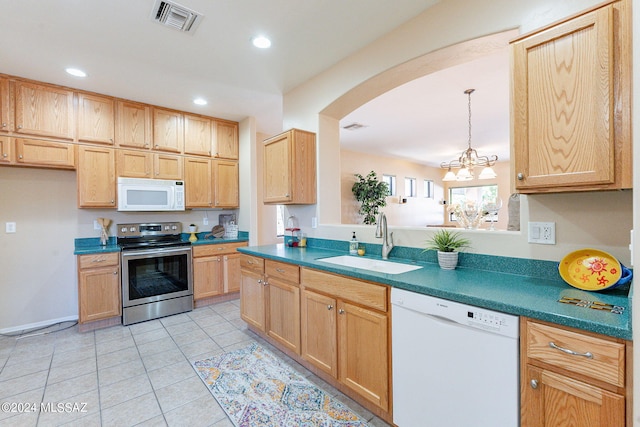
(509,293)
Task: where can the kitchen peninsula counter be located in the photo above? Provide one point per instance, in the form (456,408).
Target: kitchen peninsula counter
(522,295)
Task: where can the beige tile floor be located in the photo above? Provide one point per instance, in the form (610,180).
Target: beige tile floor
(137,375)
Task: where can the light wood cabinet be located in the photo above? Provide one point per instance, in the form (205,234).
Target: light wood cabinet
(572,104)
(44,110)
(49,154)
(572,374)
(290,168)
(252,292)
(197,181)
(168,130)
(144,164)
(133,124)
(225,140)
(96,177)
(225,184)
(6,108)
(361,321)
(283,303)
(198,137)
(96,119)
(6,153)
(216,269)
(99,287)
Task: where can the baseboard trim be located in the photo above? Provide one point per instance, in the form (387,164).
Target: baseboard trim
(37,325)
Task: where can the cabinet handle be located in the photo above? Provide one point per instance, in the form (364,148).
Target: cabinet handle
(588,354)
(113,201)
(520,176)
(341,311)
(20,156)
(4,155)
(265,283)
(287,195)
(279,270)
(250,261)
(221,248)
(534,384)
(19,126)
(99,260)
(260,281)
(329,307)
(115,273)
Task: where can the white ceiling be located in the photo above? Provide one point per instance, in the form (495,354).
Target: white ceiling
(426,120)
(128,55)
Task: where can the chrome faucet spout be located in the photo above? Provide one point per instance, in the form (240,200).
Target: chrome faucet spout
(382,232)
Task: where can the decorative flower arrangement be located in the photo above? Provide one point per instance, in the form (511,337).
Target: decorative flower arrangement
(469,215)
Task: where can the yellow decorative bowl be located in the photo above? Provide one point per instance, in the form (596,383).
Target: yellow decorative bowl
(590,269)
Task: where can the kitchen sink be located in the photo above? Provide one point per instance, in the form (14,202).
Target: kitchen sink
(370,264)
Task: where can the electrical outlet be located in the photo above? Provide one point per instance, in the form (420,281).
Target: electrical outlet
(543,233)
(10,227)
(96,226)
(205,221)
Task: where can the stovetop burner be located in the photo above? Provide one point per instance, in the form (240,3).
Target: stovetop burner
(150,235)
(616,309)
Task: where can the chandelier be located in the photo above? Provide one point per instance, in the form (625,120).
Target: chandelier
(469,159)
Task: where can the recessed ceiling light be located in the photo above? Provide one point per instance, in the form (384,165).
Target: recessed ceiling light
(76,72)
(262,42)
(200,101)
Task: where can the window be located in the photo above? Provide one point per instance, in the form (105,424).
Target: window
(410,187)
(279,221)
(428,189)
(391,183)
(480,195)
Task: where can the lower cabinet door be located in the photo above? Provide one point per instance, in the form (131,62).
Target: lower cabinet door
(206,277)
(551,399)
(231,268)
(283,314)
(364,354)
(252,299)
(319,331)
(99,293)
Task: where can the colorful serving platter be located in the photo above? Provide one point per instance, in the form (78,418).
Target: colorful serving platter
(590,269)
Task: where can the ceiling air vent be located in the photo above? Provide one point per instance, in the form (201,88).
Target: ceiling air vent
(354,126)
(175,16)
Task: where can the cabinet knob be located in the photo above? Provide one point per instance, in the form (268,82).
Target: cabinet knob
(113,202)
(115,273)
(341,311)
(157,146)
(287,195)
(534,383)
(20,156)
(260,281)
(329,307)
(265,283)
(4,125)
(4,155)
(19,126)
(520,176)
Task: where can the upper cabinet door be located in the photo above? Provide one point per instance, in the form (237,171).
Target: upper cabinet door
(133,124)
(43,110)
(6,112)
(197,135)
(96,118)
(566,107)
(226,140)
(168,130)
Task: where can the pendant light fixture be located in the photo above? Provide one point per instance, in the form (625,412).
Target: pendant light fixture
(469,159)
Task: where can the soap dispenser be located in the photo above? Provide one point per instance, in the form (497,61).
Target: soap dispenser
(353,245)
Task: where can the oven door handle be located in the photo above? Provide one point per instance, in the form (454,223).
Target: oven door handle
(155,251)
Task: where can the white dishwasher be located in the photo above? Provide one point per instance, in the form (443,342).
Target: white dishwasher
(454,365)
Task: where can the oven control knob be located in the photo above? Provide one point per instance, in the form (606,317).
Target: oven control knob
(123,229)
(166,227)
(174,227)
(132,229)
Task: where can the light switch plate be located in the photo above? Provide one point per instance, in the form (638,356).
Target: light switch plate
(10,227)
(543,233)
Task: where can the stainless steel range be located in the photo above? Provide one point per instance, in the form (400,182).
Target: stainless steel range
(157,278)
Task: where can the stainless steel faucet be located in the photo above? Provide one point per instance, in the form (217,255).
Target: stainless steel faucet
(381,232)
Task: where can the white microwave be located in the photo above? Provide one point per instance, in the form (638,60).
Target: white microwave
(143,195)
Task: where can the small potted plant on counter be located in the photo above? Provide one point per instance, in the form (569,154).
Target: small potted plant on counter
(448,244)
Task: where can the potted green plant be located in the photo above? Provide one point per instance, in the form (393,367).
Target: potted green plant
(448,244)
(372,195)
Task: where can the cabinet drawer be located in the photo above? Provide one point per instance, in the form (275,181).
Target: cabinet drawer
(606,363)
(99,260)
(281,270)
(216,249)
(253,263)
(364,293)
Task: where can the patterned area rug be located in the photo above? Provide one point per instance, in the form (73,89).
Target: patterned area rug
(257,389)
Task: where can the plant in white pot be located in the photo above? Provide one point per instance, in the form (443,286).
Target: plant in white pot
(448,244)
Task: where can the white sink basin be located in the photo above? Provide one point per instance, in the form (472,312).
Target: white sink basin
(370,264)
